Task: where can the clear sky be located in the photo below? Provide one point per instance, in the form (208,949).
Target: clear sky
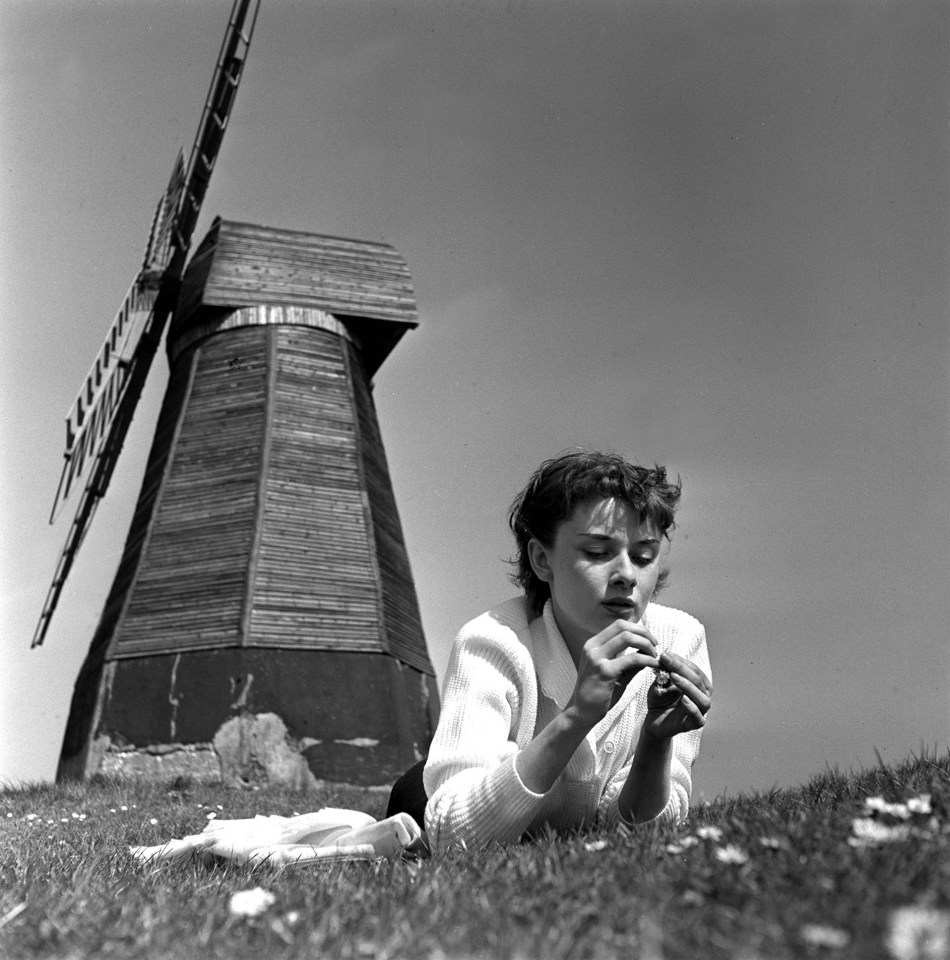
(709,235)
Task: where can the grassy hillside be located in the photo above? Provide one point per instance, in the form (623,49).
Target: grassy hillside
(812,872)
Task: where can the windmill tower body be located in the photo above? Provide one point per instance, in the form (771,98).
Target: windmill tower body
(264,584)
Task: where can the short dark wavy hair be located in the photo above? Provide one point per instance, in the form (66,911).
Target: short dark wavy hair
(560,484)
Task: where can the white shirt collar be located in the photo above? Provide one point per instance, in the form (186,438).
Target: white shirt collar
(557,675)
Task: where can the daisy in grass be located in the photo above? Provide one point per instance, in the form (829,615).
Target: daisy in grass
(892,822)
(819,935)
(919,933)
(914,807)
(251,903)
(730,853)
(682,845)
(869,832)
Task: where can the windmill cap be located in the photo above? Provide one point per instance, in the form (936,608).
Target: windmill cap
(364,284)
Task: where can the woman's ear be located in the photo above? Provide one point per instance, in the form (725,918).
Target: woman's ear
(538,558)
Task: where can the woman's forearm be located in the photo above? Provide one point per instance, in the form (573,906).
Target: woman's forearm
(647,789)
(543,760)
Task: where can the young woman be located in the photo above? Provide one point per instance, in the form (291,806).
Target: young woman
(550,713)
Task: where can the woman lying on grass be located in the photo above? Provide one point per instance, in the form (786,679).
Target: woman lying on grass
(550,715)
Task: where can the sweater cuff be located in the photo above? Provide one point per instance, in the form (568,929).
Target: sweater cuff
(611,815)
(494,805)
(505,783)
(506,805)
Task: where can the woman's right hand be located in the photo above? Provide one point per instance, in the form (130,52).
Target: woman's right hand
(610,659)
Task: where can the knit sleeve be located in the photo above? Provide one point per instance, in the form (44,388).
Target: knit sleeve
(690,644)
(475,793)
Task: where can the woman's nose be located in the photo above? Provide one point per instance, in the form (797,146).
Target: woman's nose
(624,571)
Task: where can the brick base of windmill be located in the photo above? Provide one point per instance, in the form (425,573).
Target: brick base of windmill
(254,746)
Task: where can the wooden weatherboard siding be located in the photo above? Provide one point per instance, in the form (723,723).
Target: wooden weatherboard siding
(316,585)
(189,592)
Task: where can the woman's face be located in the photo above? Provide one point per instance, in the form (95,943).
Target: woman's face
(602,566)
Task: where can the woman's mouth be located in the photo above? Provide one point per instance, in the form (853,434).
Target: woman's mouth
(622,609)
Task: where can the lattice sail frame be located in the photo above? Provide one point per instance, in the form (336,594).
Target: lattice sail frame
(94,409)
(97,424)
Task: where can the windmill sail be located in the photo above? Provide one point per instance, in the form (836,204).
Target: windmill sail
(98,422)
(93,411)
(158,249)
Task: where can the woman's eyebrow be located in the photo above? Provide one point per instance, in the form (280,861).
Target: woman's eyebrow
(606,537)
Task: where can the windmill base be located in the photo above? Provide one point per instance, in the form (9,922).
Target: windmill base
(251,715)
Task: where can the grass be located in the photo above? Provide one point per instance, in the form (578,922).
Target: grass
(764,875)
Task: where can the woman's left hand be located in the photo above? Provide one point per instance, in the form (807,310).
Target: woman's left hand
(681,706)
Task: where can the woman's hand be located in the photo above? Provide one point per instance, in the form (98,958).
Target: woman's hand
(683,704)
(608,661)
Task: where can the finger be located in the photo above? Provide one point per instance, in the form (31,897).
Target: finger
(696,709)
(680,666)
(617,629)
(628,663)
(691,697)
(632,661)
(690,691)
(633,637)
(688,679)
(695,716)
(663,698)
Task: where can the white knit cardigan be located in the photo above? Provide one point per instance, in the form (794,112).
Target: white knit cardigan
(509,674)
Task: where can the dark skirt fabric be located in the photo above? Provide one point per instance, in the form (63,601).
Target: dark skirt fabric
(409,795)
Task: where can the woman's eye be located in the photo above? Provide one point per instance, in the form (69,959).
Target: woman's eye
(595,554)
(644,561)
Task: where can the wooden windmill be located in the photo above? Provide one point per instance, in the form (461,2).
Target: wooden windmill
(263,618)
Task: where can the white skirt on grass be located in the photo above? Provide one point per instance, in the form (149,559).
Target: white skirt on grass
(327,835)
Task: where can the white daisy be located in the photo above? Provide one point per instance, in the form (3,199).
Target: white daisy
(251,903)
